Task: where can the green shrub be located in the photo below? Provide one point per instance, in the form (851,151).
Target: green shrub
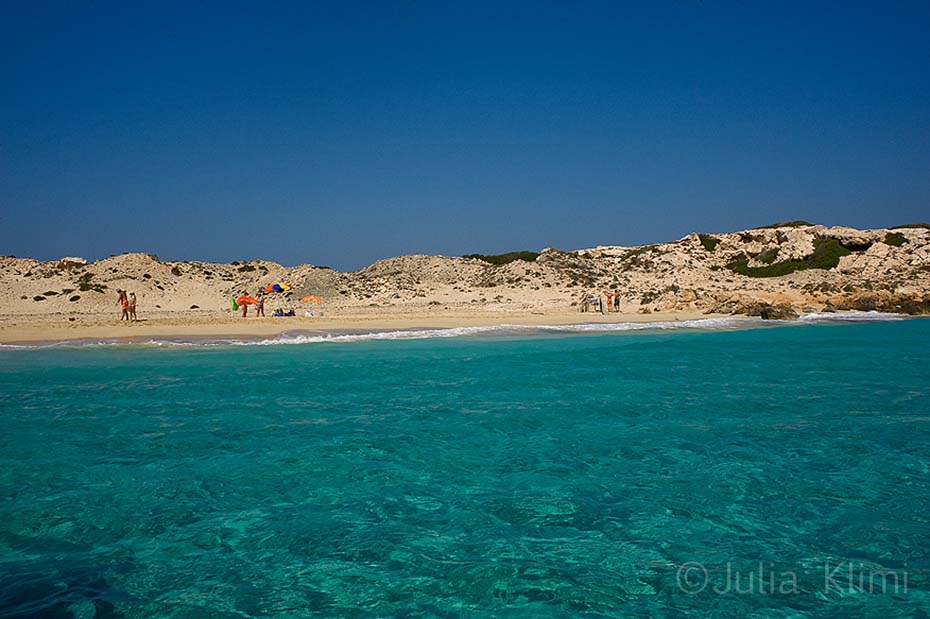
(85,285)
(246,268)
(768,256)
(895,239)
(49,293)
(709,242)
(526,256)
(800,223)
(924,226)
(176,271)
(827,254)
(636,253)
(38,298)
(856,246)
(75,298)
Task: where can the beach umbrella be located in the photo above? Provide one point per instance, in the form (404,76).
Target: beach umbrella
(310,298)
(246,300)
(277,288)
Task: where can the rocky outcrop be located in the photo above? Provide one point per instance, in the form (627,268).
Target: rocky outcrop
(778,312)
(883,301)
(748,306)
(71,263)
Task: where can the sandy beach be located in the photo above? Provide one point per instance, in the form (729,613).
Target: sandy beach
(58,328)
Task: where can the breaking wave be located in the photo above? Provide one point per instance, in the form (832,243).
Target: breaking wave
(503,330)
(853,317)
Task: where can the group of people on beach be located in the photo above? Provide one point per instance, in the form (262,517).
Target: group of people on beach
(595,302)
(127,304)
(259,303)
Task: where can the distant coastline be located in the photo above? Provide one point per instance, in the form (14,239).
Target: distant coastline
(778,272)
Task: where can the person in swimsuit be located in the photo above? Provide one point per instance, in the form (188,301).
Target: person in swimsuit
(260,308)
(132,306)
(617,301)
(610,301)
(123,302)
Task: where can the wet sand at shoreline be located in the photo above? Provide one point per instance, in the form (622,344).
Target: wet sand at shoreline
(56,328)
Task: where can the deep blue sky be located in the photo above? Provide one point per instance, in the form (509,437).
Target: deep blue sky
(342,133)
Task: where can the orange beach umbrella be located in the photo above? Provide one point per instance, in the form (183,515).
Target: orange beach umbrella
(310,298)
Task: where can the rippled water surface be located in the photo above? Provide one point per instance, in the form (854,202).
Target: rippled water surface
(640,474)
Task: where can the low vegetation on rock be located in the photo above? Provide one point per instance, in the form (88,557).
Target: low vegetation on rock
(526,256)
(769,255)
(827,254)
(800,223)
(85,284)
(895,239)
(709,242)
(634,255)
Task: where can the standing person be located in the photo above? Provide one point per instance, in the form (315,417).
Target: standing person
(132,306)
(617,302)
(123,302)
(244,306)
(610,301)
(260,308)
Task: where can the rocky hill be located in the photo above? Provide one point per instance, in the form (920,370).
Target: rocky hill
(774,271)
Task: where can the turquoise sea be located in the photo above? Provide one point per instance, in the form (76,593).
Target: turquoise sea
(727,469)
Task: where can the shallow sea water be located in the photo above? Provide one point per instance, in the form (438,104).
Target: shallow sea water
(646,474)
